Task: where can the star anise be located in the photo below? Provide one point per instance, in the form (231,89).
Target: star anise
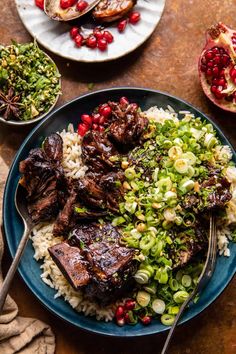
(9,104)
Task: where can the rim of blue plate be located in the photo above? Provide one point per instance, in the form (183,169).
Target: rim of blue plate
(137,330)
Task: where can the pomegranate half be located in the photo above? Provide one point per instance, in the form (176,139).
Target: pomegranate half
(217,67)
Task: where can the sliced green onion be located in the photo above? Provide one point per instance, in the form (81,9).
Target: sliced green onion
(173,310)
(143,298)
(210,141)
(186,280)
(181,166)
(146,242)
(175,152)
(165,184)
(158,306)
(142,276)
(174,285)
(118,221)
(190,157)
(130,173)
(169,214)
(180,296)
(151,288)
(167,319)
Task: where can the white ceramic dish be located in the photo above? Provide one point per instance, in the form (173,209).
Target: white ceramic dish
(54,35)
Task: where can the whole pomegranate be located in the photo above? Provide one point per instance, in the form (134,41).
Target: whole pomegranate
(217,67)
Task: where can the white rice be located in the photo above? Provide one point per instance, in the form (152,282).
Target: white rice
(43,238)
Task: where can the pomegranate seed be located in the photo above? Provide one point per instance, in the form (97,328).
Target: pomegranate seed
(78,40)
(221,82)
(134,17)
(108,36)
(124,101)
(130,304)
(215,50)
(98,33)
(40,4)
(82,129)
(67,3)
(225,59)
(209,55)
(81,5)
(209,72)
(120,321)
(95,126)
(102,44)
(213,88)
(101,128)
(91,42)
(105,110)
(215,71)
(203,67)
(96,118)
(210,64)
(119,311)
(87,119)
(203,60)
(215,81)
(122,25)
(146,320)
(222,73)
(73,32)
(217,59)
(126,317)
(101,120)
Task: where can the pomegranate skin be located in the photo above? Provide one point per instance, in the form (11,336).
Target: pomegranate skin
(215,67)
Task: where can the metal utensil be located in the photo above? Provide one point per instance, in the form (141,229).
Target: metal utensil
(204,278)
(20,203)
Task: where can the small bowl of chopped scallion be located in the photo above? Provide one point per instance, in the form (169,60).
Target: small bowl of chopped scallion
(30,84)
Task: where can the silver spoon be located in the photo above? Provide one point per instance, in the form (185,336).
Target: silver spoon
(21,206)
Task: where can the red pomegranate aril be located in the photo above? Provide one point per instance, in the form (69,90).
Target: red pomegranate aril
(108,36)
(134,106)
(73,32)
(105,110)
(203,68)
(209,72)
(87,119)
(102,120)
(81,5)
(210,64)
(130,304)
(209,55)
(82,129)
(67,3)
(120,321)
(213,88)
(40,4)
(98,33)
(96,118)
(102,44)
(215,50)
(91,42)
(215,71)
(134,17)
(122,25)
(221,82)
(124,101)
(78,40)
(217,59)
(95,126)
(127,318)
(225,59)
(101,128)
(146,320)
(119,311)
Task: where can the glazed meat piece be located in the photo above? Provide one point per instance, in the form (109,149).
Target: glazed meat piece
(97,151)
(110,265)
(71,263)
(126,130)
(53,147)
(221,195)
(42,178)
(112,10)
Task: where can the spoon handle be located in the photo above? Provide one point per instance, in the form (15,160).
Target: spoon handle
(10,274)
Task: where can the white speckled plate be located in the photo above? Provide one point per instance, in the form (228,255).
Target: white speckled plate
(55,36)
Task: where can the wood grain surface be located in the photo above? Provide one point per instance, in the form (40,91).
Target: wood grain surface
(168,62)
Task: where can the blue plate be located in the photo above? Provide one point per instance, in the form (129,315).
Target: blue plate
(13,226)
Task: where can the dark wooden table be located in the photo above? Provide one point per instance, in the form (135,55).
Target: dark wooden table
(168,62)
